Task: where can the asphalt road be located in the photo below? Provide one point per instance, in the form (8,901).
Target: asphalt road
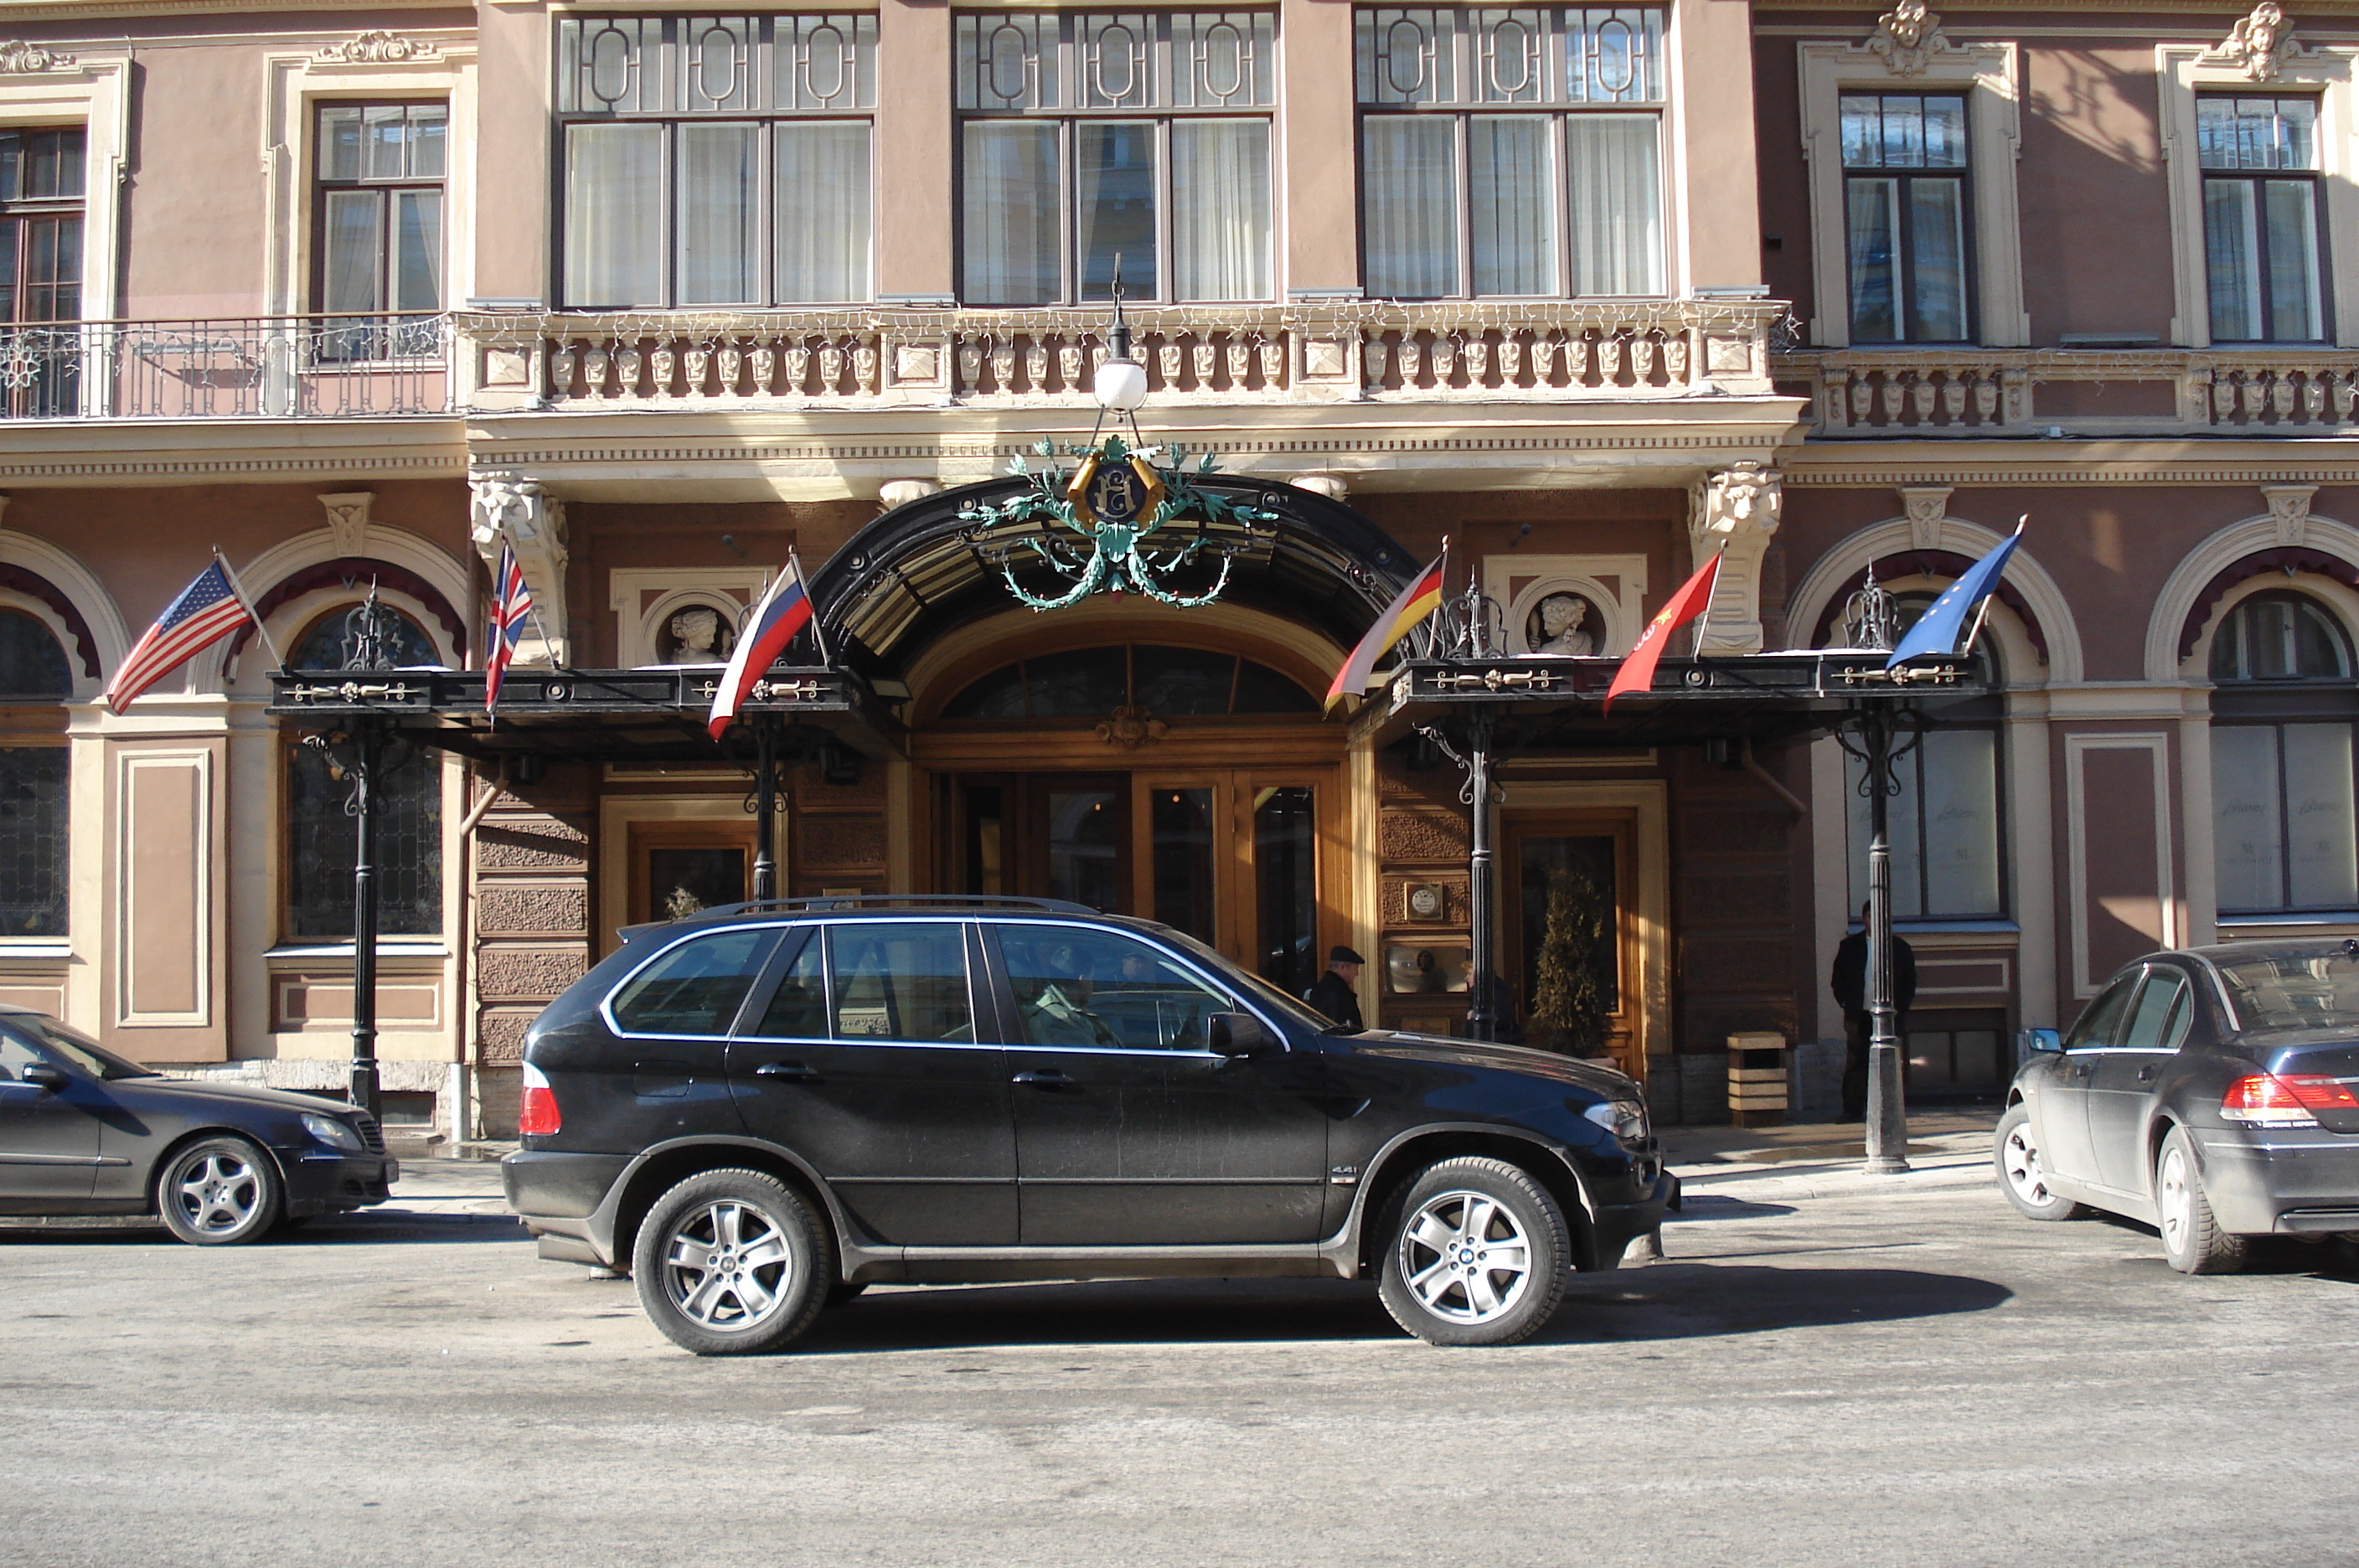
(1901,1373)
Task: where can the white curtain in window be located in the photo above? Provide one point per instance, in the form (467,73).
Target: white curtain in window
(1937,218)
(2319,860)
(720,207)
(1617,204)
(353,247)
(1220,209)
(2232,247)
(613,215)
(418,250)
(1960,770)
(825,225)
(1409,172)
(1907,876)
(2247,831)
(1011,213)
(1512,202)
(2292,205)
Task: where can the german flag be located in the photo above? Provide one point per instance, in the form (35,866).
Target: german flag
(1417,601)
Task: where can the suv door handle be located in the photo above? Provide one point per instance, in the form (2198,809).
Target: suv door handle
(1045,1078)
(2146,1073)
(792,1071)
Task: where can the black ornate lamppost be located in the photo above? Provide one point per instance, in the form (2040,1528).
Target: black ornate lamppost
(355,754)
(1473,629)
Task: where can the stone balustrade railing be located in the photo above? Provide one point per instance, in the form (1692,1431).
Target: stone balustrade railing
(1349,352)
(2033,392)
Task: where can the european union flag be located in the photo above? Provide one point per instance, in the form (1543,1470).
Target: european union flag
(1939,629)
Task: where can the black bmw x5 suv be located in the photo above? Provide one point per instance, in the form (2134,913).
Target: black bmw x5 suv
(762,1110)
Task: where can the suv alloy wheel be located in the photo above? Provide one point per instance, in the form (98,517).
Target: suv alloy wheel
(1478,1253)
(732,1263)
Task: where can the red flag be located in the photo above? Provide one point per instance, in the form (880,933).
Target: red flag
(1638,672)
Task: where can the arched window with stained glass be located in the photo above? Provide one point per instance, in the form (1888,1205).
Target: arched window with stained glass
(320,831)
(2283,714)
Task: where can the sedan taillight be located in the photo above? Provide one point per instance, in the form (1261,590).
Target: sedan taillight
(537,1114)
(2291,1099)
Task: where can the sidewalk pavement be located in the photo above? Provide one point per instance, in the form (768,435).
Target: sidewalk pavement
(1945,1148)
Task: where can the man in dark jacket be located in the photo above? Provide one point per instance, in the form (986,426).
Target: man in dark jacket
(1849,983)
(1337,993)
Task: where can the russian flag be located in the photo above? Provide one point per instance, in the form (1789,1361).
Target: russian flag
(783,610)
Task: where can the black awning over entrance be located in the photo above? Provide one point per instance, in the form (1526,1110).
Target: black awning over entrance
(606,715)
(921,569)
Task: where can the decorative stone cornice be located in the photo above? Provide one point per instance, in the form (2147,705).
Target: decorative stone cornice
(2289,510)
(1908,37)
(1925,506)
(378,46)
(348,519)
(1734,514)
(19,58)
(2259,43)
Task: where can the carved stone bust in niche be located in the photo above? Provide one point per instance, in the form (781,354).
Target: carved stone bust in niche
(698,635)
(1564,624)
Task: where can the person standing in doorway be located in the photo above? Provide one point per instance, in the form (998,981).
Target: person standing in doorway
(1849,983)
(1337,992)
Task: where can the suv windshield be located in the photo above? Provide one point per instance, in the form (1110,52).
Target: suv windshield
(61,1041)
(1261,990)
(2295,990)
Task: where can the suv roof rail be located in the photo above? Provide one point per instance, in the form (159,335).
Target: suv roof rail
(879,901)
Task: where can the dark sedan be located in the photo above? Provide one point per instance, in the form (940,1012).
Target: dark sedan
(2212,1092)
(84,1132)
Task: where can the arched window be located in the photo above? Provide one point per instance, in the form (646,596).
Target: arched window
(1947,832)
(33,779)
(2283,716)
(320,837)
(1169,682)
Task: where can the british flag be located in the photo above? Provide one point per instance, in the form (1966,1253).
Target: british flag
(207,611)
(510,602)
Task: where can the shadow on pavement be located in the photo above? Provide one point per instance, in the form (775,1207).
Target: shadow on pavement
(1716,1206)
(400,1228)
(1668,1301)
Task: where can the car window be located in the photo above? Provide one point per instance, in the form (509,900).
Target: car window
(798,1009)
(70,1047)
(2307,990)
(696,987)
(2098,1025)
(2158,1019)
(1076,987)
(15,1056)
(899,980)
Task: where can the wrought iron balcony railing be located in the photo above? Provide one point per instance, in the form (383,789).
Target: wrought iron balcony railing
(319,366)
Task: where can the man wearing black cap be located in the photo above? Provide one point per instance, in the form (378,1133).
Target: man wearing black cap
(1336,994)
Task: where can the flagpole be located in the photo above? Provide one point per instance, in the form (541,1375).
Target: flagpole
(1703,621)
(238,588)
(819,634)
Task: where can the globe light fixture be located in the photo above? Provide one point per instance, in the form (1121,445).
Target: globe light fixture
(1120,383)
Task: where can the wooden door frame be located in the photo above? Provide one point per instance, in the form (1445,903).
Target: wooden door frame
(1645,803)
(619,816)
(1621,826)
(709,834)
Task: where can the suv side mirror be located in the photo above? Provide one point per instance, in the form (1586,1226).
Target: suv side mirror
(2040,1041)
(1237,1034)
(45,1075)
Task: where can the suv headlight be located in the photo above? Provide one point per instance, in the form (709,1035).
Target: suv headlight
(1625,1119)
(335,1134)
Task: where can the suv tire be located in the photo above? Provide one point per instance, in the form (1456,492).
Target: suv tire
(219,1191)
(1475,1253)
(732,1263)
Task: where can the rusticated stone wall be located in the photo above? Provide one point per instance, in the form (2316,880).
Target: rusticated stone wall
(531,923)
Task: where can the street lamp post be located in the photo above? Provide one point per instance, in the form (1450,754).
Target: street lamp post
(1887,1120)
(765,809)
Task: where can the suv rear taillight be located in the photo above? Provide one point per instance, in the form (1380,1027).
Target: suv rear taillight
(537,1114)
(2292,1099)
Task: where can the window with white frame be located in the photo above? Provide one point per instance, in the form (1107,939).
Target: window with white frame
(2263,226)
(380,207)
(1904,156)
(1085,136)
(2283,834)
(1510,152)
(716,160)
(42,197)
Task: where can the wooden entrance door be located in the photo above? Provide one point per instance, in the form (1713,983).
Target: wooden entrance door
(680,868)
(1235,857)
(1568,933)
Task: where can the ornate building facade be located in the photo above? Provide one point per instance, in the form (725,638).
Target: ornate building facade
(359,294)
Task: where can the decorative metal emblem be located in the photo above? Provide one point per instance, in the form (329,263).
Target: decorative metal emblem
(1116,501)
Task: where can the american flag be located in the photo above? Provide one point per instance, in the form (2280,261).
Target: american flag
(510,600)
(207,611)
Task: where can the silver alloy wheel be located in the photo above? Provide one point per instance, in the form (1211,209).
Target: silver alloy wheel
(217,1194)
(2175,1197)
(1465,1258)
(2020,1158)
(727,1266)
